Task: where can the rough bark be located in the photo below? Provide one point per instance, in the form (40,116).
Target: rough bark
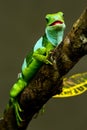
(48,81)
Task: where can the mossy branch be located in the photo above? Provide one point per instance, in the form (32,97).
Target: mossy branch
(48,81)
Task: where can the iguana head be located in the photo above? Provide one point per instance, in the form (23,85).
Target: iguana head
(55,20)
(55,27)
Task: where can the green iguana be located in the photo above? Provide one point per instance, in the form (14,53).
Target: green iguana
(39,54)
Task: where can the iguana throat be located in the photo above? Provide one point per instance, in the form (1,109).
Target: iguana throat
(55,35)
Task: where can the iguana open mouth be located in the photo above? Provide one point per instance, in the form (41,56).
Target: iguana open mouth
(56,22)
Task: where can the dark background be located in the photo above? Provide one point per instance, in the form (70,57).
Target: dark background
(21,24)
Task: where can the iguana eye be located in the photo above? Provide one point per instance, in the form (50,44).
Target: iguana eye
(47,20)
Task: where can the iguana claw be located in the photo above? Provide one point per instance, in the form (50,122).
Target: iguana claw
(48,62)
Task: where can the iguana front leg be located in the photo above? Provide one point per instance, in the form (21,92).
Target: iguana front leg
(42,54)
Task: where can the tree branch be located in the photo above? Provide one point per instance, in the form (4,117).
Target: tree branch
(48,81)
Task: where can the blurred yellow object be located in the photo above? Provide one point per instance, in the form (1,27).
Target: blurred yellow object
(73,86)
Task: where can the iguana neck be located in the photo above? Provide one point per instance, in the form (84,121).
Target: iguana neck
(55,37)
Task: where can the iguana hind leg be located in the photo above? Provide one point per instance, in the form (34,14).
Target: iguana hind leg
(16,89)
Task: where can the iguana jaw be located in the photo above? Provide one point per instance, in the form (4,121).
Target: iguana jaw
(56,23)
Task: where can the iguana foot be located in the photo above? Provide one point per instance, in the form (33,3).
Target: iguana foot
(48,62)
(17,110)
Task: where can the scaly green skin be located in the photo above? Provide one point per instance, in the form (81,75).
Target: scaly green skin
(52,37)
